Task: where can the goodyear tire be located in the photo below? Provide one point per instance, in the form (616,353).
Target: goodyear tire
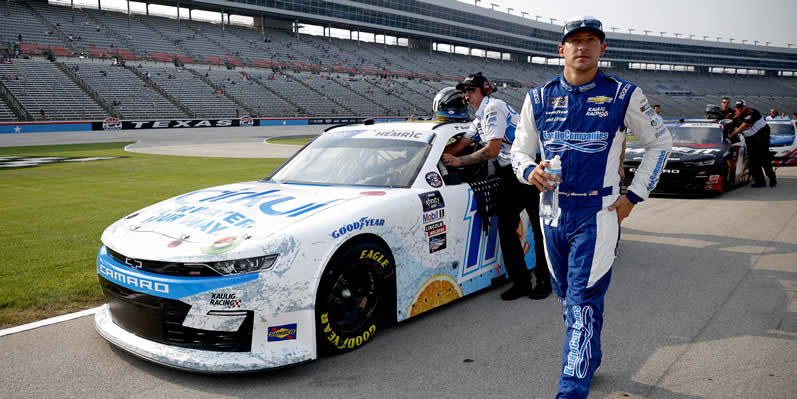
(351,297)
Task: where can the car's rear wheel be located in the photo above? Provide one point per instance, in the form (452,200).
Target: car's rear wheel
(352,296)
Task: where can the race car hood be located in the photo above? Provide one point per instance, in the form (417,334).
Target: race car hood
(681,153)
(217,219)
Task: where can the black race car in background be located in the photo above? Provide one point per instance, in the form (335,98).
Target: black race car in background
(703,160)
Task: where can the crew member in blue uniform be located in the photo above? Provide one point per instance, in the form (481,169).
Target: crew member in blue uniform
(581,116)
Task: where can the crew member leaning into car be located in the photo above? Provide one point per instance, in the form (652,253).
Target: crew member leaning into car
(749,123)
(581,116)
(495,122)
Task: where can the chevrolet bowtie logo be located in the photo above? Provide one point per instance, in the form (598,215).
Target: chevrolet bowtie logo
(599,100)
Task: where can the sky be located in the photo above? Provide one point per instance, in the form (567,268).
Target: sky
(759,20)
(762,20)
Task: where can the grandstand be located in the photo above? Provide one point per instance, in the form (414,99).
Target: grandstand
(88,64)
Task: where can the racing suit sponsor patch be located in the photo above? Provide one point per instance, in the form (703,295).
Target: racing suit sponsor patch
(624,91)
(558,102)
(580,349)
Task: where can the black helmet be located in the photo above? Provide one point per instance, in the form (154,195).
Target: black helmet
(713,112)
(449,104)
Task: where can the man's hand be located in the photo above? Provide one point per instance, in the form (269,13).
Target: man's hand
(540,178)
(451,160)
(623,207)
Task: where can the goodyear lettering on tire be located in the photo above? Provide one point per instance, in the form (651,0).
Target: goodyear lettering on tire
(342,342)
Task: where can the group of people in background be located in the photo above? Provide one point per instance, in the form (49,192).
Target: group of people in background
(747,122)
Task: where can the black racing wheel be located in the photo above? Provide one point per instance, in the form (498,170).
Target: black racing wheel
(352,296)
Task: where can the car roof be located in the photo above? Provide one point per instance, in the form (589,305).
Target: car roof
(414,131)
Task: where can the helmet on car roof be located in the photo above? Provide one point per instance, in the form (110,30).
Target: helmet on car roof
(449,104)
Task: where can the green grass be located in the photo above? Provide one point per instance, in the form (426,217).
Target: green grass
(296,140)
(53,215)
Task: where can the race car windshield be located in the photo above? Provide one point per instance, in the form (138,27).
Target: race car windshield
(355,162)
(695,135)
(783,129)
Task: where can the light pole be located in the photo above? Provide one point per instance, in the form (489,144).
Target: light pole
(537,17)
(789,45)
(730,40)
(691,36)
(767,43)
(705,37)
(508,10)
(676,35)
(662,33)
(631,30)
(552,19)
(523,14)
(476,2)
(493,5)
(744,41)
(646,31)
(755,42)
(614,29)
(718,38)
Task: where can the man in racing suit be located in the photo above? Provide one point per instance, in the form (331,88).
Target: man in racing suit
(749,123)
(581,116)
(495,122)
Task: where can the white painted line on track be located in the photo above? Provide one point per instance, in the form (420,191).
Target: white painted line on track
(47,322)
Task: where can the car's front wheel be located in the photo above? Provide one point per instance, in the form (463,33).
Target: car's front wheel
(351,297)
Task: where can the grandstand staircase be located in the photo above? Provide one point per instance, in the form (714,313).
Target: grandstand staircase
(14,105)
(164,93)
(67,43)
(334,100)
(251,111)
(88,90)
(274,92)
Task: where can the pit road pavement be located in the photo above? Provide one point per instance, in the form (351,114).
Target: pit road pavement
(701,305)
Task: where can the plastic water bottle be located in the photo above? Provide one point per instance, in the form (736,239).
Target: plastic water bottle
(549,204)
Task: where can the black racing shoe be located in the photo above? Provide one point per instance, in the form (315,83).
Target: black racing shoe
(515,292)
(541,291)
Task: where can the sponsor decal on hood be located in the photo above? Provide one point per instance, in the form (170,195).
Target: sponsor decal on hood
(219,216)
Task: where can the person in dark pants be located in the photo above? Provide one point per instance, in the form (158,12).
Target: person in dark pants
(754,128)
(495,122)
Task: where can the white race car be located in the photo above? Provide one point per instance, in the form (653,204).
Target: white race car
(782,143)
(362,226)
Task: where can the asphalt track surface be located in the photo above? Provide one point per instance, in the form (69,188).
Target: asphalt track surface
(701,305)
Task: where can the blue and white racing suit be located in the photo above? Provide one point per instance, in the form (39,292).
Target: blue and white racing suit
(585,125)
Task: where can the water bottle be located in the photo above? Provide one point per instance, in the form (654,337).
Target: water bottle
(549,204)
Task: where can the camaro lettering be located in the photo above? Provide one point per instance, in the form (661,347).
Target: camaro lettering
(358,225)
(131,281)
